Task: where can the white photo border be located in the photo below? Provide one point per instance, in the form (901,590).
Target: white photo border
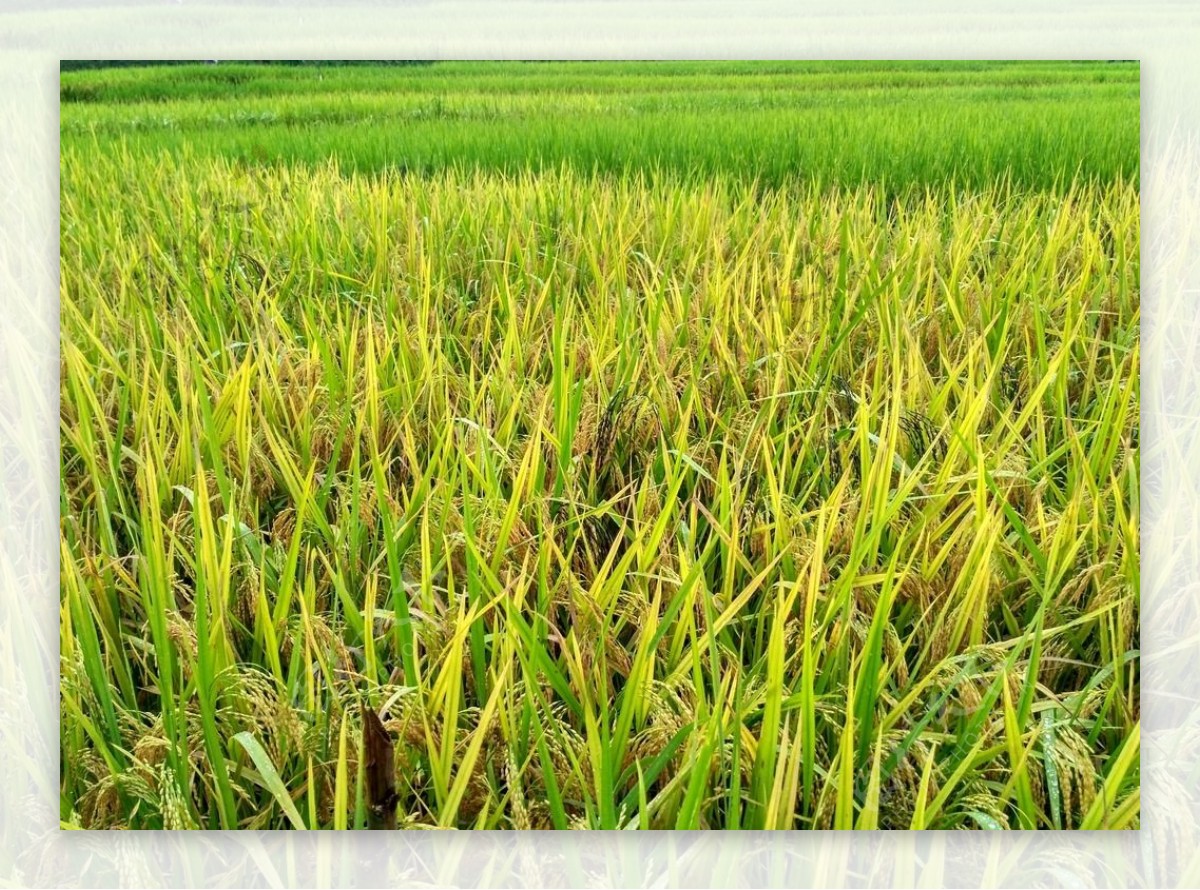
(35,37)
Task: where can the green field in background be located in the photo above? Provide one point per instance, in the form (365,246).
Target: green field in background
(897,123)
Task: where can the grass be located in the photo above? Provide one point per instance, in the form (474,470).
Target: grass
(630,496)
(1040,124)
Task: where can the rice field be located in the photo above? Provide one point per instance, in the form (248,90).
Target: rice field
(600,445)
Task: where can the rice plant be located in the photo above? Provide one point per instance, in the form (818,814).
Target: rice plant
(568,496)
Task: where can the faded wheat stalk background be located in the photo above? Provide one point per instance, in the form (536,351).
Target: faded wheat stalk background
(1162,34)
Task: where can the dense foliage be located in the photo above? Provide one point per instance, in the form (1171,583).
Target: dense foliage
(653,483)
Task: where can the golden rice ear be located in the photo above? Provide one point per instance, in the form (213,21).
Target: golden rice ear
(379,772)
